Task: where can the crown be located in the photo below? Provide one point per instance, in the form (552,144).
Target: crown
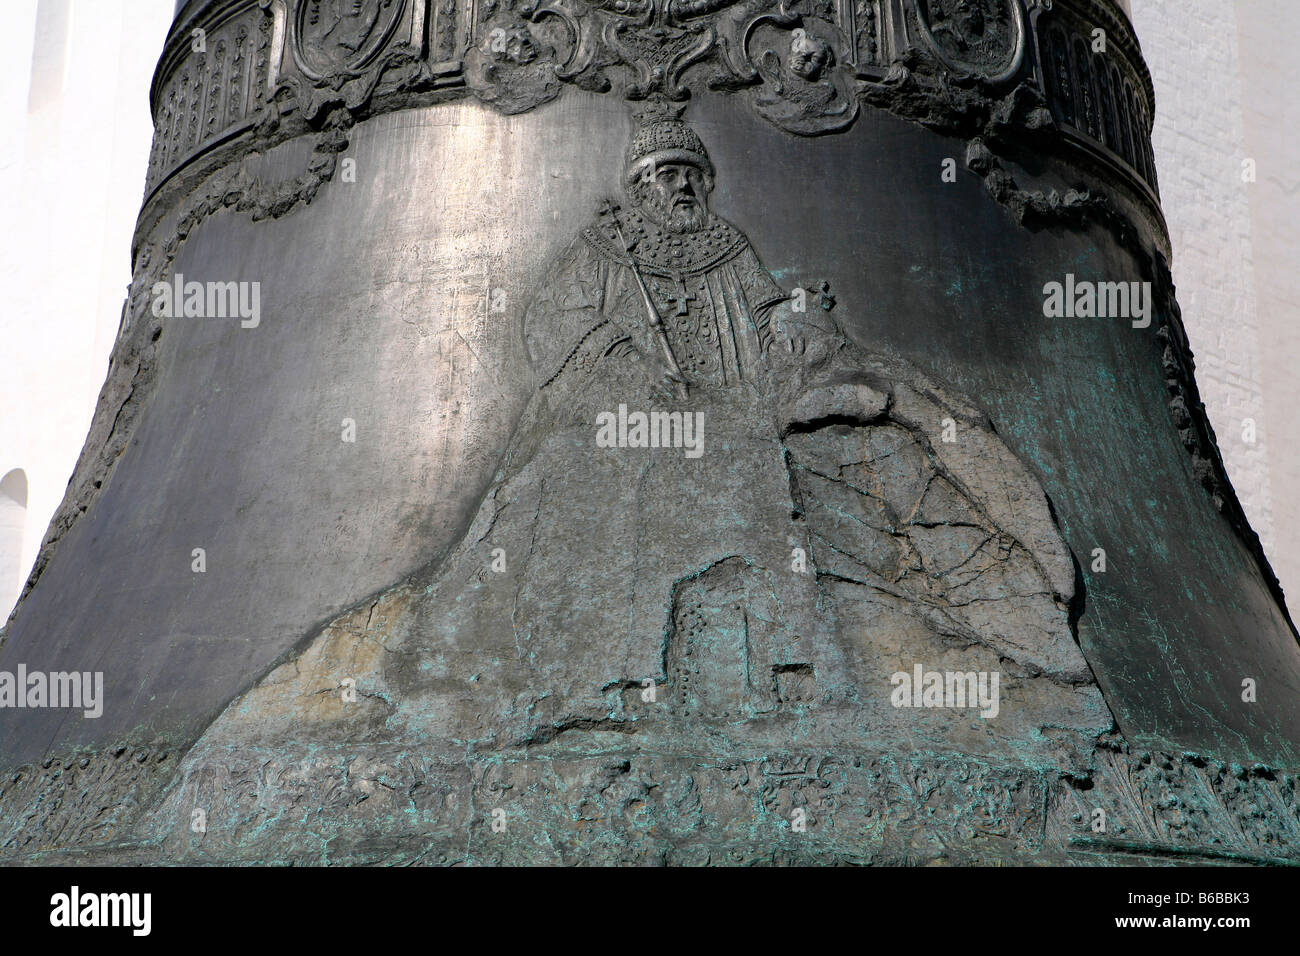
(662,137)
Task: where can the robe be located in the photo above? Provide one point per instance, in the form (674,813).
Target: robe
(711,292)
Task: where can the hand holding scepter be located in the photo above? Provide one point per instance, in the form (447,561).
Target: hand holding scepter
(652,313)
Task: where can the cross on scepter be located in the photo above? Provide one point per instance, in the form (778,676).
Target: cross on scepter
(682,298)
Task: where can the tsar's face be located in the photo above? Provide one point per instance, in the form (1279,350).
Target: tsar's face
(676,196)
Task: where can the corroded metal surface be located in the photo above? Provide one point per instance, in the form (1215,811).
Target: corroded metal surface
(826,227)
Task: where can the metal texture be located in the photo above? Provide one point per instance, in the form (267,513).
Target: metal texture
(482,144)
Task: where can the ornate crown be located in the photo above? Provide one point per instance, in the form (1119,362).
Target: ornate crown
(662,137)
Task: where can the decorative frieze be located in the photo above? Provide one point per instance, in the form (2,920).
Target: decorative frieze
(806,66)
(384,804)
(216,88)
(1096,87)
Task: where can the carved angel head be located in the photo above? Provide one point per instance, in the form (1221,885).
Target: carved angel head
(809,55)
(510,43)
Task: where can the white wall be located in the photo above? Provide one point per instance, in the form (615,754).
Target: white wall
(1268,32)
(1226,80)
(74,105)
(13,526)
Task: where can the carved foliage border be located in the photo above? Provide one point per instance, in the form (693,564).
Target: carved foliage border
(385,804)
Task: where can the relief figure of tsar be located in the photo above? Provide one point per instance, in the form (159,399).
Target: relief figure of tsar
(660,290)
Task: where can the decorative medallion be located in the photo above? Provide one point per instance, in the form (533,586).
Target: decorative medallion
(800,67)
(984,38)
(511,68)
(808,83)
(332,37)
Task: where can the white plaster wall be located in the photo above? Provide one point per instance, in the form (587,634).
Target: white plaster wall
(1226,78)
(74,105)
(1268,33)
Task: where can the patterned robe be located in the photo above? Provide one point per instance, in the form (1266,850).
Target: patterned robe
(713,296)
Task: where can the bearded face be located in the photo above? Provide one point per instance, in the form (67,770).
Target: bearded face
(675,196)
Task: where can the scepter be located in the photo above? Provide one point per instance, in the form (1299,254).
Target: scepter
(652,312)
